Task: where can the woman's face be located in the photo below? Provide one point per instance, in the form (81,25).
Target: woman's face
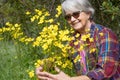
(78,20)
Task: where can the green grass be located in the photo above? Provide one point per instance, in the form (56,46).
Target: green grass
(16,59)
(14,62)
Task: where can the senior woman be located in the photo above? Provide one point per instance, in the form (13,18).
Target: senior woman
(104,66)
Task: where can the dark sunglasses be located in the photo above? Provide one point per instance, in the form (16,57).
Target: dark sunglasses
(74,14)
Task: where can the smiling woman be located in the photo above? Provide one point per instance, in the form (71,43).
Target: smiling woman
(97,47)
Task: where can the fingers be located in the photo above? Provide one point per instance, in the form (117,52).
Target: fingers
(44,75)
(39,69)
(44,78)
(57,69)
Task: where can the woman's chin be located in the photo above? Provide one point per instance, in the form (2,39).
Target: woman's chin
(76,28)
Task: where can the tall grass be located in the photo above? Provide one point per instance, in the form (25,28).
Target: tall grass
(14,61)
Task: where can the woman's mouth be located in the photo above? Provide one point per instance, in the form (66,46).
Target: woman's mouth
(75,23)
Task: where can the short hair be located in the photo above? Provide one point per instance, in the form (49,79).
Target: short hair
(77,5)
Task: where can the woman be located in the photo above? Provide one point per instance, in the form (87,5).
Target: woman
(104,62)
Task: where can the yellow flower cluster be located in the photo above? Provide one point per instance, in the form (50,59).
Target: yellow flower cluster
(77,58)
(38,63)
(28,13)
(40,16)
(13,29)
(52,40)
(59,11)
(84,37)
(15,32)
(31,73)
(49,63)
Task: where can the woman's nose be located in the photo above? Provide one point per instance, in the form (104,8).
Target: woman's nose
(72,18)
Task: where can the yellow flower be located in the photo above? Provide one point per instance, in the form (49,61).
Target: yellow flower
(51,59)
(41,20)
(59,8)
(29,39)
(31,74)
(22,39)
(27,13)
(77,35)
(58,44)
(63,35)
(76,43)
(50,20)
(8,24)
(0,30)
(87,35)
(64,55)
(47,13)
(13,28)
(64,65)
(59,11)
(7,29)
(59,62)
(45,46)
(36,43)
(38,12)
(81,48)
(1,38)
(77,59)
(36,17)
(101,34)
(58,23)
(84,38)
(91,39)
(72,38)
(33,19)
(92,50)
(38,63)
(56,15)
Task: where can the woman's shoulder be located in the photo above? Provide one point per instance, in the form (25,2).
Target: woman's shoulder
(105,31)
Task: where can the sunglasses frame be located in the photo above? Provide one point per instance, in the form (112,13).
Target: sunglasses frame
(74,14)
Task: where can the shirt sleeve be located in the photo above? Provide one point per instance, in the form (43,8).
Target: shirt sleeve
(107,57)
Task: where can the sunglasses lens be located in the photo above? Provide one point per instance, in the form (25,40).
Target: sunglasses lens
(76,14)
(68,17)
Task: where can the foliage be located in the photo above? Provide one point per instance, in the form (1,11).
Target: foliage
(15,60)
(107,14)
(51,40)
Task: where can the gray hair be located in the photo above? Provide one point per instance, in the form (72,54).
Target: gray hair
(77,5)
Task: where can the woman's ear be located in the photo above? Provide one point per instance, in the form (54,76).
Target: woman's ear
(90,17)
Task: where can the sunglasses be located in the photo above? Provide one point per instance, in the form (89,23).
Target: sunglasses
(74,14)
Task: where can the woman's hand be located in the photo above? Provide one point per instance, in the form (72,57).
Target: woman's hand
(48,76)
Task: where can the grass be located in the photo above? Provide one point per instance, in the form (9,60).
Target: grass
(14,62)
(17,59)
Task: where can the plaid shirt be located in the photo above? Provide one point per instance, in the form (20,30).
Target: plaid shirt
(103,64)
